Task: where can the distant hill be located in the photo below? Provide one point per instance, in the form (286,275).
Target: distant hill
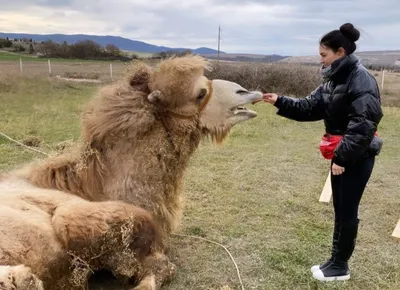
(121,42)
(387,58)
(248,57)
(130,45)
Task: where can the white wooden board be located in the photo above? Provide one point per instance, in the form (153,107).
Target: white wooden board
(396,232)
(326,193)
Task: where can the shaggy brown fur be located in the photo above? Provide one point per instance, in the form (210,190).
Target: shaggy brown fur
(133,150)
(19,277)
(57,240)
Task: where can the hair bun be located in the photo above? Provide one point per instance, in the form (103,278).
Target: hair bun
(350,32)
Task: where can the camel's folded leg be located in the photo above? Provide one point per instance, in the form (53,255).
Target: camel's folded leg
(19,278)
(78,223)
(147,283)
(132,250)
(159,270)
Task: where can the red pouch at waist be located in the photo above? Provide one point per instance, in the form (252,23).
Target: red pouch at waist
(328,145)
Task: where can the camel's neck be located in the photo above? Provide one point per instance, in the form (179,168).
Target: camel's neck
(149,172)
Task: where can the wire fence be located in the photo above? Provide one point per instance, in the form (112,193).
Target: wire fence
(289,78)
(96,70)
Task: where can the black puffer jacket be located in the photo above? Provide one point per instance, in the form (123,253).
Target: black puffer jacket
(349,103)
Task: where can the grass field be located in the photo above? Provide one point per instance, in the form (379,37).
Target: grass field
(10,64)
(391,87)
(9,56)
(257,195)
(89,69)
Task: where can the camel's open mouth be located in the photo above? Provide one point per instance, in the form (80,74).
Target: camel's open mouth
(240,110)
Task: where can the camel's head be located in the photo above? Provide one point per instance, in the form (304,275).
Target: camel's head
(225,107)
(178,87)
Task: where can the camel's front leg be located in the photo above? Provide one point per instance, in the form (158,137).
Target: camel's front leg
(147,283)
(159,270)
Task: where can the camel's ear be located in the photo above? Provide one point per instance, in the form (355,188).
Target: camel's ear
(156,97)
(139,77)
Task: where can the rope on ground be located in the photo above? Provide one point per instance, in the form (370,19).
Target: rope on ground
(23,145)
(233,260)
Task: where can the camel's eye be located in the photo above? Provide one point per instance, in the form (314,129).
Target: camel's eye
(202,94)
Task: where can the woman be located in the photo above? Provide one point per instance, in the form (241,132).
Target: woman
(348,101)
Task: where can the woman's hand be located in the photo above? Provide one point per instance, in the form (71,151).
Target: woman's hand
(268,98)
(337,170)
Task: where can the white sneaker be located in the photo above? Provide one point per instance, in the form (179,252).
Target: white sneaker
(315,268)
(319,275)
(318,267)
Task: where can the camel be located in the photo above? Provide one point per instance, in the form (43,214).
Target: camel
(55,240)
(137,139)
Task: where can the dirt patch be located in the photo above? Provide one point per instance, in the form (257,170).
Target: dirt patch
(32,141)
(79,80)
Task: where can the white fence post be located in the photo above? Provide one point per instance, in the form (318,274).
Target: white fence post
(20,64)
(111,71)
(383,78)
(49,63)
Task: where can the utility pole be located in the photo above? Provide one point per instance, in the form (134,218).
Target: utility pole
(219,40)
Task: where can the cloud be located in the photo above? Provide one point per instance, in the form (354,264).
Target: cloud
(289,27)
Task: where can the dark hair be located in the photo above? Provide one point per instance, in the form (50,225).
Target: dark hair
(345,37)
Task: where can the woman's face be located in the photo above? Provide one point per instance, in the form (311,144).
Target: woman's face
(328,55)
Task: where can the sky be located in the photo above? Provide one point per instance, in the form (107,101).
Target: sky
(286,27)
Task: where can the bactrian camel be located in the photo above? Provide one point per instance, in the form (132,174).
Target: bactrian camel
(138,135)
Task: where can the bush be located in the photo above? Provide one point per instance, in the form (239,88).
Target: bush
(80,75)
(288,79)
(171,53)
(19,48)
(5,43)
(31,49)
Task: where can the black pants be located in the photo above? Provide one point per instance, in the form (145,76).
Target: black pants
(347,191)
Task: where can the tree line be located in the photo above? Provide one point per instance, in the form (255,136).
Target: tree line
(85,49)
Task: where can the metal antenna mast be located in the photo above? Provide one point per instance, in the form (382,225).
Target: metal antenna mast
(219,40)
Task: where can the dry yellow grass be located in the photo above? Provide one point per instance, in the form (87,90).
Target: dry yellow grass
(391,87)
(65,68)
(258,195)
